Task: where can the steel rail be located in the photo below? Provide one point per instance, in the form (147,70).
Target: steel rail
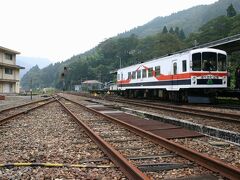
(25,104)
(212,164)
(127,168)
(207,114)
(4,120)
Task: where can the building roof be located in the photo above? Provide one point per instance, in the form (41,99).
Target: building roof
(9,80)
(11,66)
(8,50)
(91,82)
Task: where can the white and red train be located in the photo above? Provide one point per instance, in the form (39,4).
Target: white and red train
(194,73)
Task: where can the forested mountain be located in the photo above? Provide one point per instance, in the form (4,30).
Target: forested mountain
(189,20)
(29,62)
(98,62)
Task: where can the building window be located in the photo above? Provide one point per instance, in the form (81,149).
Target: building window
(8,71)
(184,66)
(8,56)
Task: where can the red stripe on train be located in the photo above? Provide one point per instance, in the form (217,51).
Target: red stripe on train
(163,77)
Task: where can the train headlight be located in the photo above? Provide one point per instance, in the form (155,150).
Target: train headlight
(194,80)
(224,79)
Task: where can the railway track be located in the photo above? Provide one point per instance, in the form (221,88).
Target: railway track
(47,143)
(189,155)
(14,111)
(223,124)
(227,117)
(130,152)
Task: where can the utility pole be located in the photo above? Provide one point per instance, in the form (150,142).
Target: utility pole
(31,88)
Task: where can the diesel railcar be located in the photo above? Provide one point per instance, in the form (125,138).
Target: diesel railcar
(185,76)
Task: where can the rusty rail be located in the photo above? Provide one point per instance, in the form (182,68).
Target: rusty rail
(127,168)
(25,104)
(4,120)
(217,166)
(190,111)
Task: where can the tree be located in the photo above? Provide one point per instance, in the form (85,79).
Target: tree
(171,30)
(164,31)
(176,31)
(231,11)
(182,34)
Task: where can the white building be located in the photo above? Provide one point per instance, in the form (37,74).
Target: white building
(9,71)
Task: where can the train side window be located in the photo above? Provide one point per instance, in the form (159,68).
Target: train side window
(118,77)
(175,68)
(157,70)
(134,74)
(184,66)
(144,73)
(129,75)
(139,74)
(196,62)
(121,76)
(150,72)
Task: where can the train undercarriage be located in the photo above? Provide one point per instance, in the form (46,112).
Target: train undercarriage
(183,95)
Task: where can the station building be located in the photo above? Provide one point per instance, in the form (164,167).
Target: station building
(9,71)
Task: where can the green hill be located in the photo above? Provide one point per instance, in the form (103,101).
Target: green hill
(189,20)
(99,61)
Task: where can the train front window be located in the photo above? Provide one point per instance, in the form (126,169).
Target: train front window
(209,61)
(196,62)
(222,62)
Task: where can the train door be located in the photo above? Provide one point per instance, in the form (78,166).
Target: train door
(174,75)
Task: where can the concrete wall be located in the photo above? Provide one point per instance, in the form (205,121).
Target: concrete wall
(6,87)
(1,88)
(1,72)
(1,57)
(9,87)
(7,61)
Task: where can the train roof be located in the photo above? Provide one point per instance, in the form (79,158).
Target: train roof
(178,53)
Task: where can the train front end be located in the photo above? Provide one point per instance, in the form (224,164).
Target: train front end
(208,68)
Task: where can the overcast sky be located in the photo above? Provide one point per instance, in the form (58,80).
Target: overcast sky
(59,29)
